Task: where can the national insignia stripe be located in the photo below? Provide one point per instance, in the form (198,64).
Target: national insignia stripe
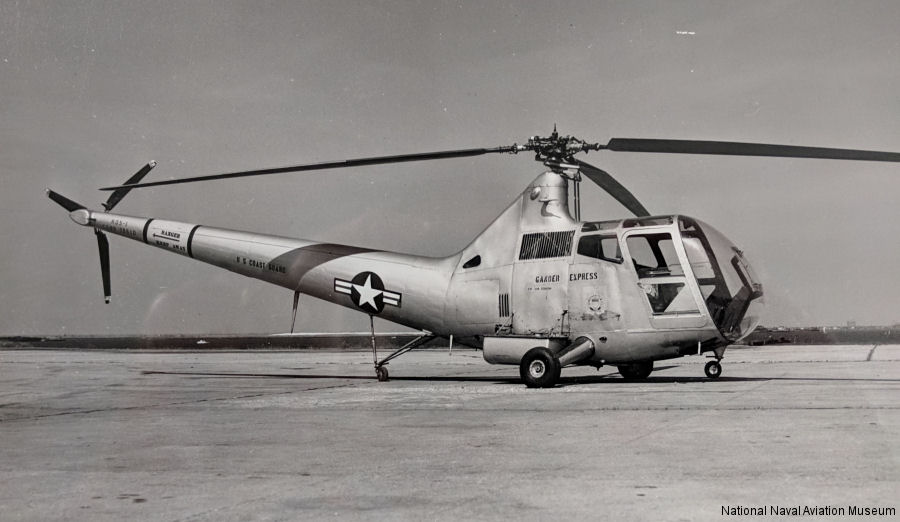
(391,298)
(343,287)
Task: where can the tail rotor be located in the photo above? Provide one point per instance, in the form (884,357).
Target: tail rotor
(81,215)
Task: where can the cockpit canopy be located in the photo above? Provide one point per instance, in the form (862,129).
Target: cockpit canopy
(731,289)
(710,263)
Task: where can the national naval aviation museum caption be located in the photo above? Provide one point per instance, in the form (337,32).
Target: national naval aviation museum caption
(808,511)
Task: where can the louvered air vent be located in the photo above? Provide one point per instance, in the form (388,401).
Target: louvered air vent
(541,245)
(504,305)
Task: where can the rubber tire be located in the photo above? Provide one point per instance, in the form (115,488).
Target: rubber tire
(541,358)
(713,369)
(382,373)
(636,371)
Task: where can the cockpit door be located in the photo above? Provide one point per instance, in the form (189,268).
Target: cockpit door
(670,292)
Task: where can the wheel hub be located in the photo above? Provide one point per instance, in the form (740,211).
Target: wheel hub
(537,369)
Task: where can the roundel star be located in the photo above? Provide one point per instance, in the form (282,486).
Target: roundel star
(367,294)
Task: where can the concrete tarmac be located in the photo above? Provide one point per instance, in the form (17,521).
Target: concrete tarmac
(312,435)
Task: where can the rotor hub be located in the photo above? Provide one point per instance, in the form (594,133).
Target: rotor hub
(557,152)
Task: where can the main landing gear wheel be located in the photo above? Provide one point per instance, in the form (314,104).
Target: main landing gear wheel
(540,368)
(713,369)
(636,371)
(382,373)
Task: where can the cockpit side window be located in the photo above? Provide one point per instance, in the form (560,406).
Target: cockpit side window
(600,247)
(654,255)
(660,273)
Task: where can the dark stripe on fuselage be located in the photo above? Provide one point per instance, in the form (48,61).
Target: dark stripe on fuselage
(190,240)
(301,260)
(147,226)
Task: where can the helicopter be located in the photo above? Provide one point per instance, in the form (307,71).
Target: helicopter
(538,288)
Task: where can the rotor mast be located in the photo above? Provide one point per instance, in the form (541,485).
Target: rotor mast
(558,154)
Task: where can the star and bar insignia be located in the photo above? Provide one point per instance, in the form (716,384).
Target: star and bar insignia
(367,292)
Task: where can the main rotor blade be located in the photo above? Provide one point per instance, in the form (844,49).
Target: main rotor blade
(733,148)
(613,187)
(378,160)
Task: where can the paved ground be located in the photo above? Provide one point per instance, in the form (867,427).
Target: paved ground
(310,435)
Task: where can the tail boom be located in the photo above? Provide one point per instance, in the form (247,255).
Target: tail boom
(413,286)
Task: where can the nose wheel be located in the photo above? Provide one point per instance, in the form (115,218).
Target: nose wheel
(713,369)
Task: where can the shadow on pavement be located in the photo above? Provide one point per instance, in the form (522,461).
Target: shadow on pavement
(564,381)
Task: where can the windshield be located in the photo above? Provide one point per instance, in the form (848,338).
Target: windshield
(729,287)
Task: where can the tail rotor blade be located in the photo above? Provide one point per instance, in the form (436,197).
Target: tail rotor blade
(103,246)
(122,191)
(63,201)
(613,187)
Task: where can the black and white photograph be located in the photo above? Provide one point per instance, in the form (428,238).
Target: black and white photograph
(449,260)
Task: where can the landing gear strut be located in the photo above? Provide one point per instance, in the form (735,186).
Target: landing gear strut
(713,369)
(380,371)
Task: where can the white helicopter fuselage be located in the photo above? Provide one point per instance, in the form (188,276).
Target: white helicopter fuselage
(534,277)
(536,288)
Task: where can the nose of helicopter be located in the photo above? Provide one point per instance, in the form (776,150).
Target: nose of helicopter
(730,288)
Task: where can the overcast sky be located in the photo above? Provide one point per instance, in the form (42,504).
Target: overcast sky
(90,91)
